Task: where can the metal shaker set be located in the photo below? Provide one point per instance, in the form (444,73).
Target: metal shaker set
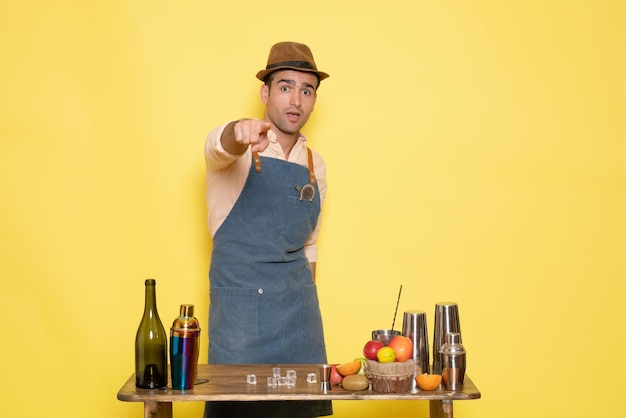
(448,351)
(184,348)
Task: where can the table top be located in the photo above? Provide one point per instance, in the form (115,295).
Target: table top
(227,382)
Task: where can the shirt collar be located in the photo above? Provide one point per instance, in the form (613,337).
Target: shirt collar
(272,137)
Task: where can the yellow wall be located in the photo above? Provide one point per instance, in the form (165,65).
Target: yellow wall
(476,154)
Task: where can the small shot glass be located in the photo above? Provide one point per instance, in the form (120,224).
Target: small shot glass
(311,378)
(276,372)
(271,381)
(251,379)
(282,381)
(291,381)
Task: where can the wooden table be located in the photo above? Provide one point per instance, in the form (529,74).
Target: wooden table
(228,383)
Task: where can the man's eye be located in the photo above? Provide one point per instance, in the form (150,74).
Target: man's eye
(306,93)
(284,88)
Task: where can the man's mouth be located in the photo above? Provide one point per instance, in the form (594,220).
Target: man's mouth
(293,116)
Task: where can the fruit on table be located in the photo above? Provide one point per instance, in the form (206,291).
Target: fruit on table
(386,355)
(335,377)
(363,361)
(355,382)
(371,348)
(427,381)
(347,369)
(403,346)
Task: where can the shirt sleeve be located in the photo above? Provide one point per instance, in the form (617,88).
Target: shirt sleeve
(214,153)
(226,175)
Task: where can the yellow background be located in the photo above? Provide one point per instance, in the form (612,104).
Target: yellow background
(476,154)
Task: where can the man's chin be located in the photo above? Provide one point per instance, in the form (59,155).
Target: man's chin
(290,129)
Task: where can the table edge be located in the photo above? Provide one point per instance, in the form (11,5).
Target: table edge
(125,394)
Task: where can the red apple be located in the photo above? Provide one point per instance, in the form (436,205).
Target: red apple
(335,377)
(403,346)
(371,348)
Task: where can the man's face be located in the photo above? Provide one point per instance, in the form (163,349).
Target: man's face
(289,99)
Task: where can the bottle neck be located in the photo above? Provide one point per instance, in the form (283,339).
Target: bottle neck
(150,308)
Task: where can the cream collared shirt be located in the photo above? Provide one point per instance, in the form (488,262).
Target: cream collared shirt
(227,173)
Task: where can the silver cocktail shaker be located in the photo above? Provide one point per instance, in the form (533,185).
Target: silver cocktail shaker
(446,320)
(414,327)
(454,361)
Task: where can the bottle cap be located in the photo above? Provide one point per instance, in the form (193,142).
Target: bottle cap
(186,310)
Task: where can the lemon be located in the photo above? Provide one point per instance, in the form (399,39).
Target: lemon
(386,355)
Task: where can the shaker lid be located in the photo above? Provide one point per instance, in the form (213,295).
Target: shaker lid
(453,344)
(186,320)
(451,337)
(186,310)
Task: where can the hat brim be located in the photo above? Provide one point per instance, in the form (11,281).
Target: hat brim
(262,75)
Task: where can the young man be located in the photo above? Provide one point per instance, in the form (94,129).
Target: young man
(265,190)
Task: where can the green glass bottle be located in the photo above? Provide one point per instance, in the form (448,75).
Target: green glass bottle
(151,345)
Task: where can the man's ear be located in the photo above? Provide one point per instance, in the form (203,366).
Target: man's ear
(265,93)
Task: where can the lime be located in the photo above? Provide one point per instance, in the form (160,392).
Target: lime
(386,355)
(363,361)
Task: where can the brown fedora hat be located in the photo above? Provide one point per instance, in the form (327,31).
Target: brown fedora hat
(290,56)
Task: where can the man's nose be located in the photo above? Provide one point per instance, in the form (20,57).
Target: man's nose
(295,99)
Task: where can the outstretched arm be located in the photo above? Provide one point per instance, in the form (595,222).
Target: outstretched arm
(237,136)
